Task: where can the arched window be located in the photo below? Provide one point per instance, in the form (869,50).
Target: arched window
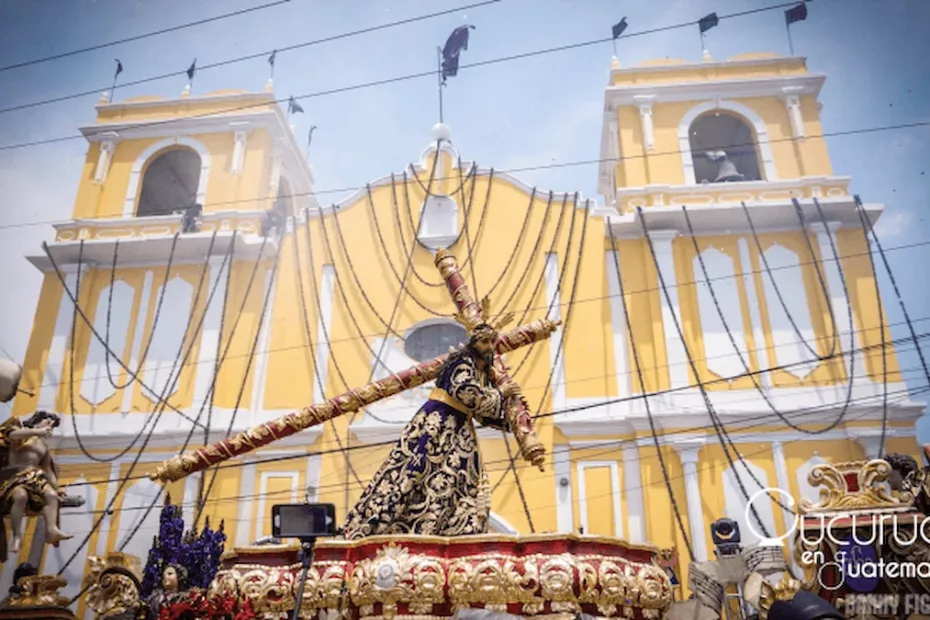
(430,341)
(723,149)
(170,182)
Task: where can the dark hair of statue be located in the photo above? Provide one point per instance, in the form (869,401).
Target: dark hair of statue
(36,418)
(180,571)
(467,351)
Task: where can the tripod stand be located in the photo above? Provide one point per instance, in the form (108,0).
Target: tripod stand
(306,558)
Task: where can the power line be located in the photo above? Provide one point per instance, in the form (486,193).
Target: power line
(238,59)
(583,162)
(403,78)
(580,301)
(139,37)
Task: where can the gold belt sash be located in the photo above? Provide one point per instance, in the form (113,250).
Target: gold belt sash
(442,396)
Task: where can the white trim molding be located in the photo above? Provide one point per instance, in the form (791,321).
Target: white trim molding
(293,476)
(676,354)
(241,131)
(556,344)
(633,487)
(748,114)
(614,494)
(645,116)
(136,174)
(791,96)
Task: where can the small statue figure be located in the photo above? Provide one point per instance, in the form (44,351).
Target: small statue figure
(273,220)
(190,221)
(28,479)
(173,588)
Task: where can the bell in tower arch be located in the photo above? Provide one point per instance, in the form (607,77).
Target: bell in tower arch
(726,169)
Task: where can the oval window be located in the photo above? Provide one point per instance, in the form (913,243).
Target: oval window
(430,341)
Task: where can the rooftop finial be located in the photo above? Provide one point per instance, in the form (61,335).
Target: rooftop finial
(706,57)
(442,132)
(615,63)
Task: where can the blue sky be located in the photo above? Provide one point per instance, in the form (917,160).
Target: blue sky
(534,111)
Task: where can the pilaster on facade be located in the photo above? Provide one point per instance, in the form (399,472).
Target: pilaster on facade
(846,333)
(55,363)
(644,102)
(688,450)
(792,99)
(676,354)
(108,143)
(241,131)
(633,486)
(210,336)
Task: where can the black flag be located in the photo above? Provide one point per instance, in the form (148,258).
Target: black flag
(192,70)
(619,27)
(707,22)
(271,58)
(456,42)
(119,67)
(797,13)
(293,107)
(310,136)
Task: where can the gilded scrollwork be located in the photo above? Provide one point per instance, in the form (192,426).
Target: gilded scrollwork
(873,491)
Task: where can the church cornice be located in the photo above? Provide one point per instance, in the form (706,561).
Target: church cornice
(727,218)
(708,90)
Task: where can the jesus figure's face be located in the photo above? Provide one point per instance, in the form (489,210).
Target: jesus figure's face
(484,347)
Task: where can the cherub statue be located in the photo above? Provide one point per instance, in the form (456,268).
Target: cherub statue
(173,587)
(28,479)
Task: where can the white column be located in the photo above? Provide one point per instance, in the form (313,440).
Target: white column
(556,348)
(838,300)
(633,484)
(784,483)
(565,517)
(793,106)
(107,522)
(54,365)
(210,334)
(871,442)
(324,328)
(688,451)
(312,477)
(191,496)
(261,355)
(240,140)
(244,525)
(618,327)
(275,176)
(645,116)
(758,334)
(141,317)
(674,346)
(105,157)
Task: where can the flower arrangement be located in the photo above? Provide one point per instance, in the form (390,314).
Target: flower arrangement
(199,606)
(199,553)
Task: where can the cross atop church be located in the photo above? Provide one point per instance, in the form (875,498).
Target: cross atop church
(470,312)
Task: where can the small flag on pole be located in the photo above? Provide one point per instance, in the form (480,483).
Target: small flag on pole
(272,57)
(192,70)
(119,69)
(293,107)
(619,27)
(797,13)
(455,44)
(707,22)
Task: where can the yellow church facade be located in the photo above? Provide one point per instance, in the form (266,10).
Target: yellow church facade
(751,321)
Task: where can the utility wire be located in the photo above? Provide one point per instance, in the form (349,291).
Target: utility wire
(582,162)
(229,61)
(137,37)
(411,76)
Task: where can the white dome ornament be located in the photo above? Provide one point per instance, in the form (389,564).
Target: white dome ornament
(442,132)
(10,374)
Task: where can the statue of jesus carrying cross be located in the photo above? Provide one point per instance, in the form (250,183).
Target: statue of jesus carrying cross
(433,481)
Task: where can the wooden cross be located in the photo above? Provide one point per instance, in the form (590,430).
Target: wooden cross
(516,410)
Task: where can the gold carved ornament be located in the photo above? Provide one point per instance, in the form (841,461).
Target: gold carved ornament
(113,584)
(873,493)
(40,591)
